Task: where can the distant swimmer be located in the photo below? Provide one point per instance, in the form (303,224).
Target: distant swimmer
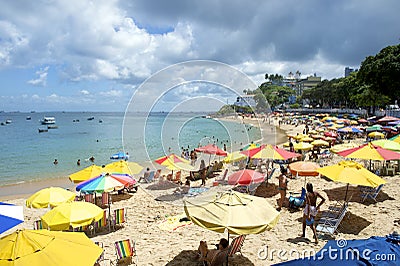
(91,159)
(78,163)
(55,162)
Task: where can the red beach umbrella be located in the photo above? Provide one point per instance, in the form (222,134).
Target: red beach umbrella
(245,177)
(212,149)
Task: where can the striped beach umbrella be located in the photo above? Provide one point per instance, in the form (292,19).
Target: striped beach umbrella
(106,183)
(270,152)
(10,216)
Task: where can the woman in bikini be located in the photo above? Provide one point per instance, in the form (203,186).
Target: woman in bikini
(311,210)
(283,181)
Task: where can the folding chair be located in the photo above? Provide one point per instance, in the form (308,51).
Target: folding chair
(101,258)
(297,202)
(125,249)
(119,218)
(89,198)
(157,174)
(177,178)
(236,245)
(223,179)
(37,225)
(105,199)
(330,220)
(150,178)
(102,223)
(370,192)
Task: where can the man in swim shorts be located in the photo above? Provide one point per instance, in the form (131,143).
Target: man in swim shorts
(311,209)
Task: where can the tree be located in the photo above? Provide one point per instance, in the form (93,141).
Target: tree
(381,73)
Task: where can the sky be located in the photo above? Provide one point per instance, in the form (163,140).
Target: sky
(80,55)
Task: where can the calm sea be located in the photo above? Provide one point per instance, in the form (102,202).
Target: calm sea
(28,155)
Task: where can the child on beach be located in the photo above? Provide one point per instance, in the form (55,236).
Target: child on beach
(311,210)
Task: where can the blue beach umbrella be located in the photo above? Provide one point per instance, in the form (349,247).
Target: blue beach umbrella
(349,130)
(10,216)
(375,250)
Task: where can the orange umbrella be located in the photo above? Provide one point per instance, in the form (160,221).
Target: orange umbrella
(304,168)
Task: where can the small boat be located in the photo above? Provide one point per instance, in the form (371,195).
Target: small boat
(52,126)
(8,121)
(48,120)
(75,120)
(41,130)
(28,118)
(100,121)
(91,118)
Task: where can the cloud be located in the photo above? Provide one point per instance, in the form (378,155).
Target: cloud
(111,93)
(42,77)
(84,92)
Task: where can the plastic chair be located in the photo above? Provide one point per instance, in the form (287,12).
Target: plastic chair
(125,249)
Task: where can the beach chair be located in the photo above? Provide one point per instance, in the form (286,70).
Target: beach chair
(268,176)
(331,219)
(371,193)
(177,178)
(150,178)
(89,198)
(101,258)
(157,174)
(37,225)
(124,250)
(297,202)
(102,223)
(119,217)
(105,199)
(236,245)
(223,179)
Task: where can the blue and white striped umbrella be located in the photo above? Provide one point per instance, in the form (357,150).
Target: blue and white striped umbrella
(10,216)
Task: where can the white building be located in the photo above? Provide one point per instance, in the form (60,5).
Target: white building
(245,100)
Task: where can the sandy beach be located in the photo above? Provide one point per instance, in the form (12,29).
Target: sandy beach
(157,244)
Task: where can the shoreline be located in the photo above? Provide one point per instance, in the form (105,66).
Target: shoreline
(25,189)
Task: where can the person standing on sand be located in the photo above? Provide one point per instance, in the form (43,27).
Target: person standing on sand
(311,210)
(283,181)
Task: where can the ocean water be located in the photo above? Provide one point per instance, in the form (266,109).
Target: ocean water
(28,155)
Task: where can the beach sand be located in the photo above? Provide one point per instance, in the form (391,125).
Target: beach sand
(157,246)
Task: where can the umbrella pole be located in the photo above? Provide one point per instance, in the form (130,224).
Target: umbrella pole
(227,255)
(347,188)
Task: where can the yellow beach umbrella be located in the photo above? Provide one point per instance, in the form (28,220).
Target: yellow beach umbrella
(43,247)
(49,197)
(72,214)
(303,146)
(376,135)
(306,139)
(341,147)
(86,173)
(319,142)
(350,172)
(234,157)
(239,213)
(123,167)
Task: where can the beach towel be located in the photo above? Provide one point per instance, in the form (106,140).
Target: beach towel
(193,191)
(172,223)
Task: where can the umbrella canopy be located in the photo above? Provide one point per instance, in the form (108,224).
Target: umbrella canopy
(319,142)
(42,247)
(341,147)
(387,144)
(239,213)
(388,119)
(74,214)
(349,130)
(245,177)
(170,161)
(302,146)
(10,216)
(251,146)
(370,151)
(304,168)
(374,128)
(212,149)
(49,197)
(181,166)
(234,157)
(123,167)
(376,135)
(357,252)
(396,138)
(270,152)
(86,173)
(350,172)
(106,183)
(330,134)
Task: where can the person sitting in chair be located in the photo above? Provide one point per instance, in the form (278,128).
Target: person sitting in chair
(214,257)
(183,189)
(146,175)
